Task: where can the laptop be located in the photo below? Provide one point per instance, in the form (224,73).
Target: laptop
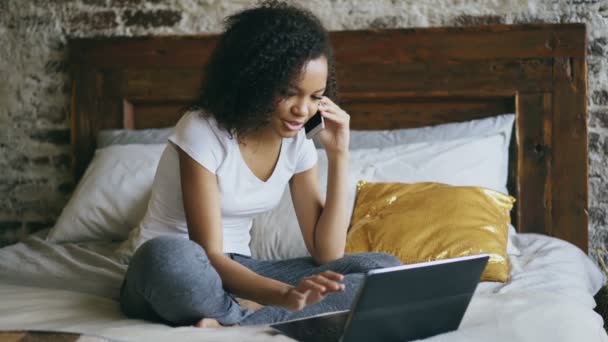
(399,303)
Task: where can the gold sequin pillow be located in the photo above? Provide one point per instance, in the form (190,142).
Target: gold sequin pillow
(431,221)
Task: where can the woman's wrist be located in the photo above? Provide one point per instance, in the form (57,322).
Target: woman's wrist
(283,299)
(338,156)
(279,297)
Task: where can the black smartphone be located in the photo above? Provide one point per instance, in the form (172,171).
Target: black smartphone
(314,125)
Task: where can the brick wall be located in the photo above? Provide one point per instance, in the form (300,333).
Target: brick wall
(35,180)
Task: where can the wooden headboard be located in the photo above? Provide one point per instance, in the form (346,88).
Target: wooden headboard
(388,79)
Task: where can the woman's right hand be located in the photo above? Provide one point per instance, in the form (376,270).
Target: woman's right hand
(313,289)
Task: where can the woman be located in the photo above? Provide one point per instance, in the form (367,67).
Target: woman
(230,158)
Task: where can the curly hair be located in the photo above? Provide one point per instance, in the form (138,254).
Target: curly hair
(261,52)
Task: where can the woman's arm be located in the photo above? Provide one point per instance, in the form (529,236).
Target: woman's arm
(203,215)
(324,225)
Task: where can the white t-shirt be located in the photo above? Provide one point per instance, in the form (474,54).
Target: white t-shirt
(242,194)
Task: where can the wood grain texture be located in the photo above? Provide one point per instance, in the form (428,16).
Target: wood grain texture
(534,162)
(398,78)
(570,151)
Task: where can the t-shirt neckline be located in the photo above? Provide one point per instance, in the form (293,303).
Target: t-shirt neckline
(252,175)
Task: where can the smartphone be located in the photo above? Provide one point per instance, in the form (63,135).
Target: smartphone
(314,125)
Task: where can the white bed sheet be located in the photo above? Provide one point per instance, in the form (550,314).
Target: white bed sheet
(73,287)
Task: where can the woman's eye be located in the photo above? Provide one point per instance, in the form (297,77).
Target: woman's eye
(317,98)
(288,92)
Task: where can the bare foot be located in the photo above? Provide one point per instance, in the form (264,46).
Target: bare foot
(208,323)
(249,304)
(213,323)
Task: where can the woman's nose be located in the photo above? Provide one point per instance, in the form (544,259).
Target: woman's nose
(301,108)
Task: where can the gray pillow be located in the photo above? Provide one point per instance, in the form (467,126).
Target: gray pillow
(110,137)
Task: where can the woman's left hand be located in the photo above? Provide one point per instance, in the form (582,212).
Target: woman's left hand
(336,135)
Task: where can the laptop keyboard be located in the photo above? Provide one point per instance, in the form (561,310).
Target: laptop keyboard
(325,334)
(328,328)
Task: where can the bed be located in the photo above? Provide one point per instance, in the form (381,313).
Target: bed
(389,80)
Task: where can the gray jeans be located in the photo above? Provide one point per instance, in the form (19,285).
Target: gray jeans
(171,280)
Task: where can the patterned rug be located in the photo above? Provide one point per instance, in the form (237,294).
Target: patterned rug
(48,336)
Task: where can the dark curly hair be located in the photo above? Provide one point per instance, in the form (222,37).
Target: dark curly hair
(261,52)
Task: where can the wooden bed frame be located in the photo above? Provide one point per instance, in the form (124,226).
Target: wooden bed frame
(388,79)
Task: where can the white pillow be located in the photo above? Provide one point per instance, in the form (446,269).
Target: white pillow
(112,196)
(146,136)
(449,131)
(479,161)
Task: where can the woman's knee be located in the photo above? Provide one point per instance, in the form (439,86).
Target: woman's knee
(364,262)
(166,251)
(174,278)
(168,259)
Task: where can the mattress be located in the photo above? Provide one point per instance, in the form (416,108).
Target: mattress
(74,288)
